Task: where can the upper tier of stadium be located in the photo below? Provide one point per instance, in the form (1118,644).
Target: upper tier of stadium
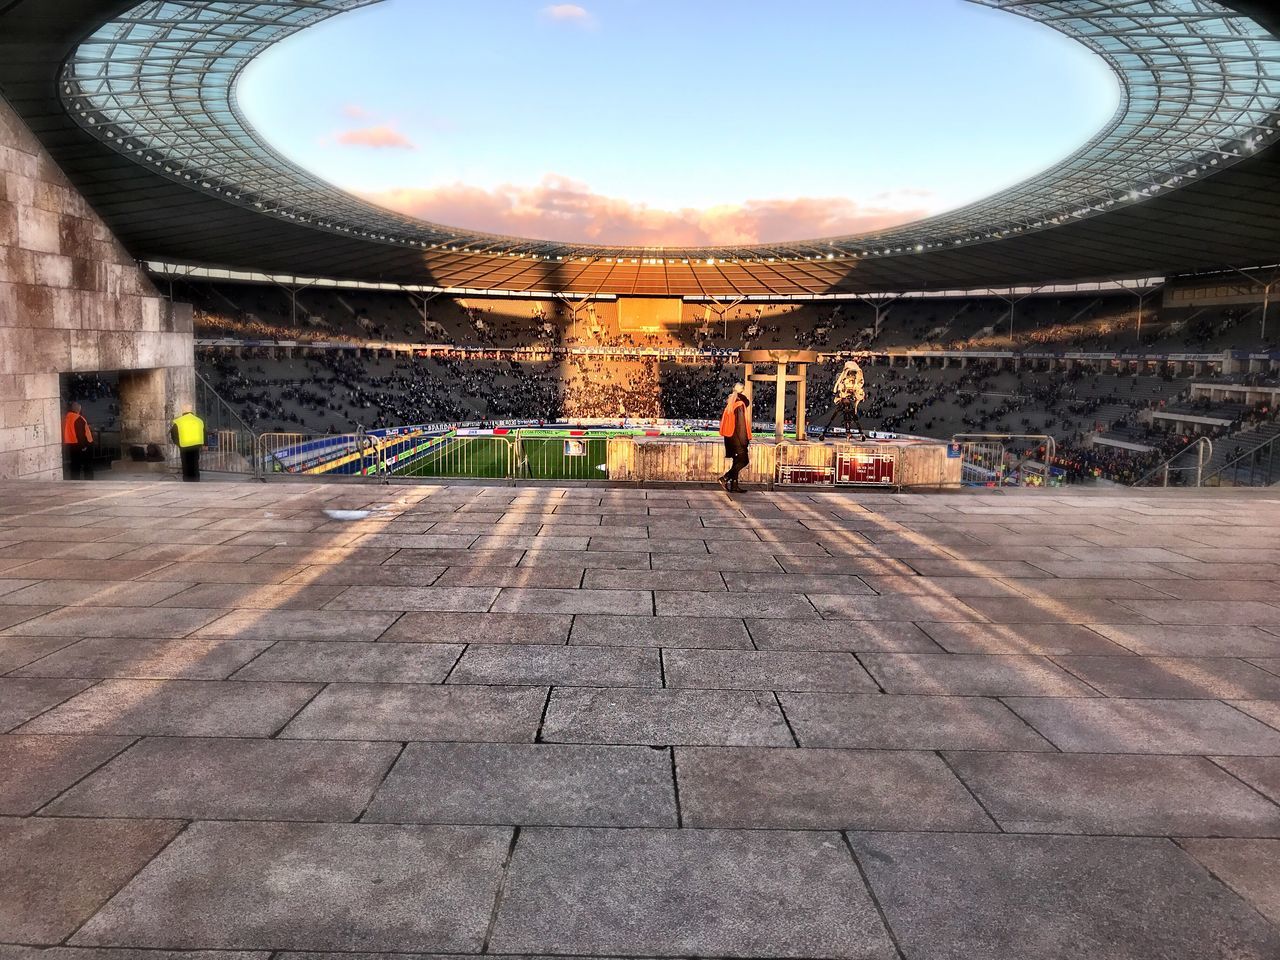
(136,101)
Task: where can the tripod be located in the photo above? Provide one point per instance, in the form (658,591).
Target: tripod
(847,410)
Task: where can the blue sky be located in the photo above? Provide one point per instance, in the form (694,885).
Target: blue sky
(676,122)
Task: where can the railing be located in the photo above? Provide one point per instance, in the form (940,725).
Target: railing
(1259,467)
(1184,469)
(232,443)
(1006,459)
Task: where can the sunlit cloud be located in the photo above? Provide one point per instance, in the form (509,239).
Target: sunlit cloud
(568,13)
(382,137)
(558,208)
(353,111)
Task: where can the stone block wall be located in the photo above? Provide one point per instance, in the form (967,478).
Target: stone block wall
(73,301)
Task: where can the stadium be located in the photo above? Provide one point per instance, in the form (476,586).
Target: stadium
(459,648)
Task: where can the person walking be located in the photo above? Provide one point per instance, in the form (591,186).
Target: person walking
(735,428)
(188,433)
(77,444)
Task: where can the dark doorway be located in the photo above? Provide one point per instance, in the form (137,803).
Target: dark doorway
(99,397)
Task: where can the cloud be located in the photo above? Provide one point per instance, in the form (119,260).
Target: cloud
(558,208)
(353,111)
(382,137)
(568,13)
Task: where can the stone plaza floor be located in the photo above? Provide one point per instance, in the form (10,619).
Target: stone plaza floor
(532,721)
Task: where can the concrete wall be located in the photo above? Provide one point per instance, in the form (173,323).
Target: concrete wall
(72,300)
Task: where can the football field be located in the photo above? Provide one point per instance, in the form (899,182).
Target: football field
(503,457)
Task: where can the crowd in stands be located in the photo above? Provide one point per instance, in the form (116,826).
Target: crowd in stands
(331,391)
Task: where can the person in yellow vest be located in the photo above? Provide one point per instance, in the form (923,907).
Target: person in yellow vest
(77,443)
(188,433)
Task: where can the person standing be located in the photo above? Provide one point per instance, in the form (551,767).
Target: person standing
(849,392)
(735,428)
(188,433)
(77,444)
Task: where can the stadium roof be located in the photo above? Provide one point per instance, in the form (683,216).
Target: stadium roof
(136,102)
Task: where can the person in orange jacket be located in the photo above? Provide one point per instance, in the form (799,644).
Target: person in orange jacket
(77,444)
(735,428)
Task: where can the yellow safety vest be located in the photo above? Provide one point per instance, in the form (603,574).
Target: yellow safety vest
(190,431)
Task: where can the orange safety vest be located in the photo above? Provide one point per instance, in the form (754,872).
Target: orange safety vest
(69,429)
(727,418)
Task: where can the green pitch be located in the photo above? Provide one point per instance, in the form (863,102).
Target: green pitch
(499,458)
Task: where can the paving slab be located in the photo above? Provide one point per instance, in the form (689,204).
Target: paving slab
(879,722)
(1268,711)
(1249,867)
(896,607)
(175,708)
(1215,589)
(11,616)
(1261,773)
(42,767)
(664,717)
(534,600)
(1207,612)
(106,593)
(189,659)
(551,578)
(823,790)
(1044,639)
(703,581)
(687,893)
(765,670)
(247,596)
(529,784)
(22,698)
(768,606)
(938,586)
(1100,589)
(204,571)
(1173,640)
(303,886)
(368,711)
(696,632)
(137,622)
(980,675)
(559,665)
(232,779)
(364,575)
(75,568)
(445,599)
(591,559)
(1114,794)
(55,874)
(1200,727)
(1055,898)
(755,563)
(298,625)
(1176,678)
(341,662)
(17,652)
(479,627)
(848,635)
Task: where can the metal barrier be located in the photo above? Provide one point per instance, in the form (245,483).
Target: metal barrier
(583,457)
(480,457)
(1259,467)
(1005,459)
(1184,469)
(231,444)
(230,451)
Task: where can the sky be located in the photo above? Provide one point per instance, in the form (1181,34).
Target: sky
(676,122)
